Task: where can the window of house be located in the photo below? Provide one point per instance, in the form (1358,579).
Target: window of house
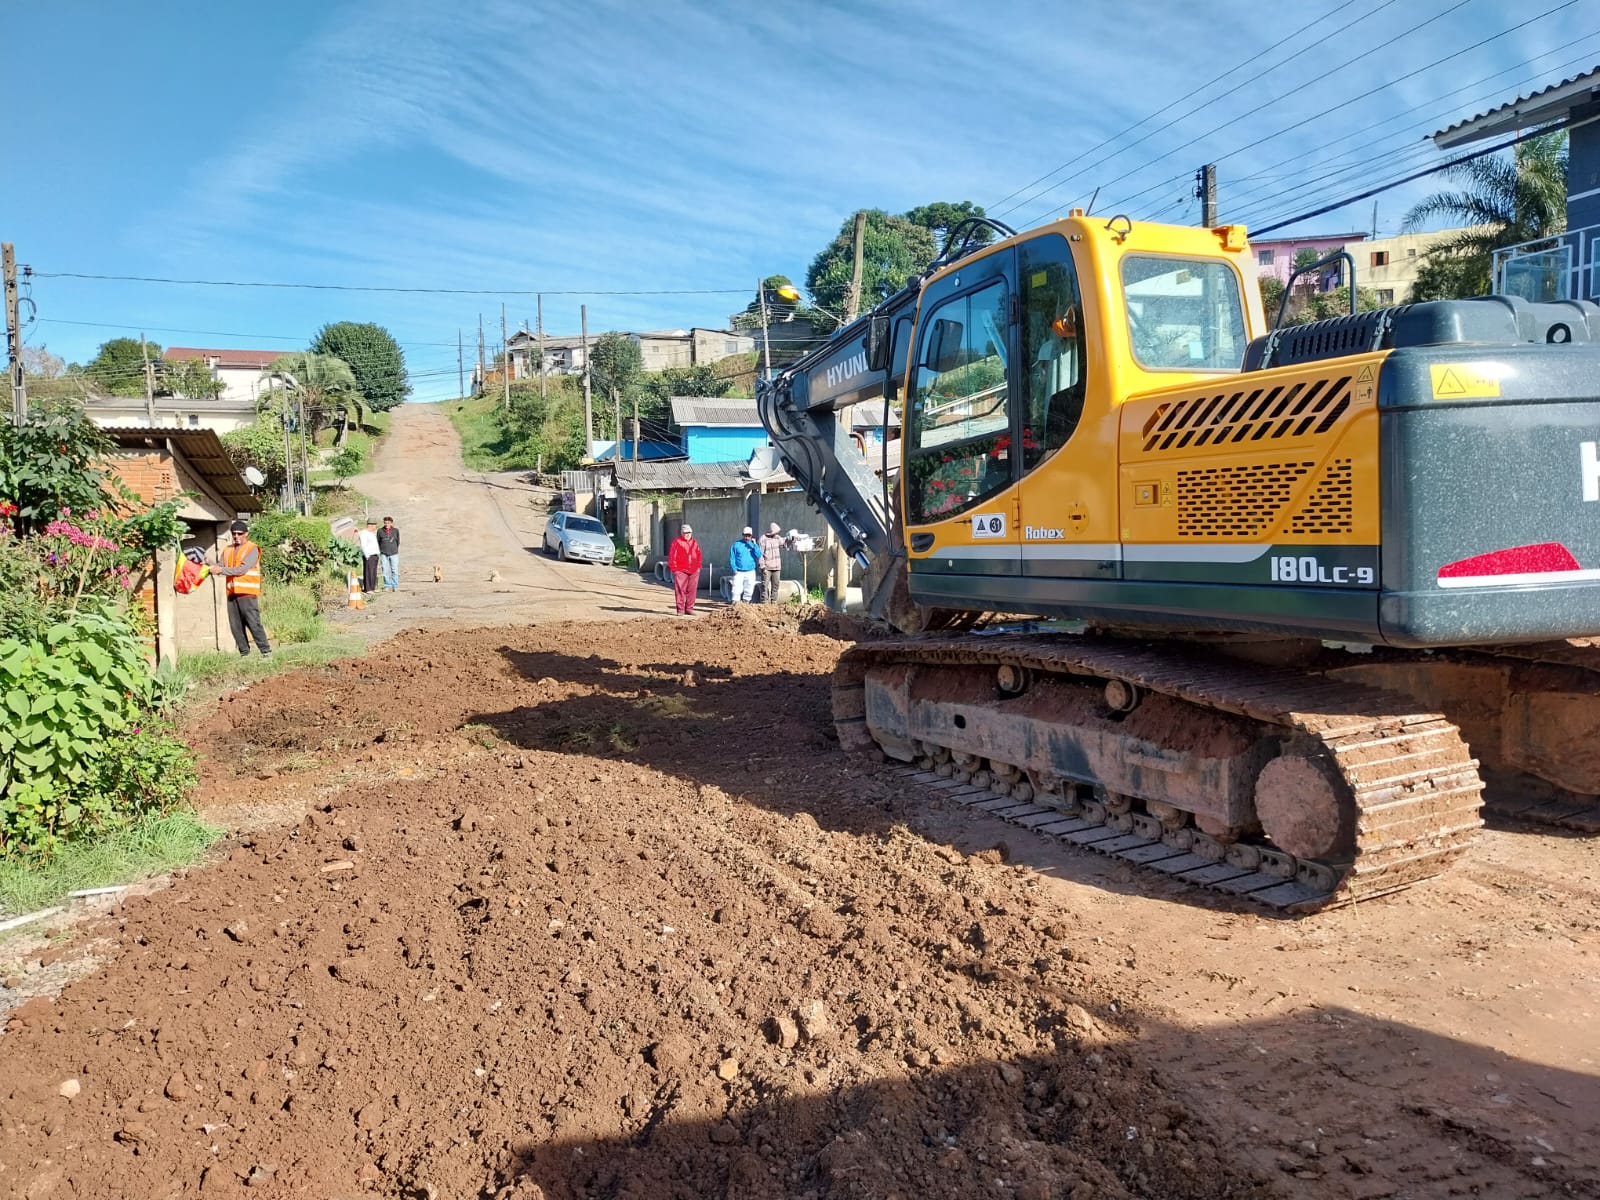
(961,421)
(1411,252)
(1264,258)
(730,347)
(1385,295)
(1183,314)
(1380,258)
(194,420)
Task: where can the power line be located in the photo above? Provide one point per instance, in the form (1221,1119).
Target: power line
(994,208)
(1365,152)
(1433,170)
(1416,153)
(421,291)
(1341,66)
(271,337)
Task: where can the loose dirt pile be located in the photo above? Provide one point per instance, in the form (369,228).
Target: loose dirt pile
(600,910)
(596,944)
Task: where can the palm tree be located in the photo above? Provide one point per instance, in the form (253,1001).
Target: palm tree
(325,385)
(1504,201)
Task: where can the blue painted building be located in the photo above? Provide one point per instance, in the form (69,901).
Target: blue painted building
(718,429)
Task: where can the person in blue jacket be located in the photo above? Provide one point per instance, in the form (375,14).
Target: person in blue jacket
(744,557)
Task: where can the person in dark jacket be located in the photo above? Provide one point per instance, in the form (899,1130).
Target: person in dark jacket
(389,554)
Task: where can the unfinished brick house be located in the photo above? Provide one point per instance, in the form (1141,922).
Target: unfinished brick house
(158,464)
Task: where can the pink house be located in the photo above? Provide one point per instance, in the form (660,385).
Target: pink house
(1275,256)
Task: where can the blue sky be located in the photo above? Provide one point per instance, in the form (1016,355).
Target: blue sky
(608,147)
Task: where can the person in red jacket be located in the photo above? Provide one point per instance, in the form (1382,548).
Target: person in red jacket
(683,560)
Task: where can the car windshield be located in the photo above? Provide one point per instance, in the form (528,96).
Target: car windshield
(585,525)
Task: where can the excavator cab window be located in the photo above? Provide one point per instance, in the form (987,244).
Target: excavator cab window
(1183,314)
(1052,347)
(960,406)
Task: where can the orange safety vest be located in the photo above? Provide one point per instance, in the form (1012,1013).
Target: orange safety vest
(248,584)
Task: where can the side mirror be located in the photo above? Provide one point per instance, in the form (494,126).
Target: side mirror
(878,342)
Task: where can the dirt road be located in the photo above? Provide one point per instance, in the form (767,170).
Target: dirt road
(472,526)
(600,910)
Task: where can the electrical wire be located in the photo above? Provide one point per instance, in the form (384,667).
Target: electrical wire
(419,291)
(995,210)
(1349,62)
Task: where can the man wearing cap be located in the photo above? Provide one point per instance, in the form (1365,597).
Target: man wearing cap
(683,560)
(743,558)
(771,562)
(368,538)
(241,568)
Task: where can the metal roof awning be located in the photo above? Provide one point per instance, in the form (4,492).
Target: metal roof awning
(1525,112)
(202,453)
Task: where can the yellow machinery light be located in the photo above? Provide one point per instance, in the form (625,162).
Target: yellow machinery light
(787,293)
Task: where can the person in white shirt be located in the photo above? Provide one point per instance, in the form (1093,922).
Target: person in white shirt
(368,538)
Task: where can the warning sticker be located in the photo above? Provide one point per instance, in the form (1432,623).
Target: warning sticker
(1465,381)
(988,525)
(1366,381)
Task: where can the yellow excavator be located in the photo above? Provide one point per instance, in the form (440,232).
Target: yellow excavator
(1295,595)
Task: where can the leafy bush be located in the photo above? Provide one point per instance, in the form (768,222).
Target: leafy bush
(68,697)
(259,445)
(292,547)
(47,465)
(347,462)
(345,555)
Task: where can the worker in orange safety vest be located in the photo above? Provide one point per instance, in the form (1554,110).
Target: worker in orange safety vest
(241,567)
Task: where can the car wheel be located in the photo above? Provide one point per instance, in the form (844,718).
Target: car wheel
(561,551)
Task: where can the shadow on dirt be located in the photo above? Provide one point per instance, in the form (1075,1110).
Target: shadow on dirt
(769,739)
(1088,1122)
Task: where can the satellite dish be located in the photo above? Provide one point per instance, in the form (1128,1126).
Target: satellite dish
(254,477)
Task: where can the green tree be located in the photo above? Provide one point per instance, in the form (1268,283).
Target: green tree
(322,384)
(345,463)
(1307,306)
(118,366)
(615,368)
(259,445)
(373,356)
(779,306)
(942,216)
(1304,258)
(893,249)
(190,378)
(1503,201)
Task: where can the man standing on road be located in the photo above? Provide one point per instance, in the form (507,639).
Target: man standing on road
(389,554)
(771,562)
(241,568)
(743,558)
(368,538)
(683,560)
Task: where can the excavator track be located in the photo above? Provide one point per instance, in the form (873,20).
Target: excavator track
(1403,778)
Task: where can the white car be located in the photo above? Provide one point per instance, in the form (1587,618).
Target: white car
(572,536)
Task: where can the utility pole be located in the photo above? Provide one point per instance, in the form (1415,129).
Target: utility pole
(541,347)
(766,346)
(149,382)
(505,357)
(1374,220)
(1205,190)
(461,370)
(480,350)
(288,452)
(855,280)
(616,415)
(19,387)
(588,403)
(636,426)
(305,454)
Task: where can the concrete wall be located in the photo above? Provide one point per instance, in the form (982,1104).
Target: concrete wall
(719,444)
(718,520)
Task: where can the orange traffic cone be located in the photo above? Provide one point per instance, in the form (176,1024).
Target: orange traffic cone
(357,600)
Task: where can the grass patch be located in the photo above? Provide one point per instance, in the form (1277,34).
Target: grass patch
(152,845)
(486,445)
(289,611)
(226,667)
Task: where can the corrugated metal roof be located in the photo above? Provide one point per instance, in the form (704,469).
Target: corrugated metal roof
(1547,104)
(714,410)
(202,452)
(245,359)
(680,476)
